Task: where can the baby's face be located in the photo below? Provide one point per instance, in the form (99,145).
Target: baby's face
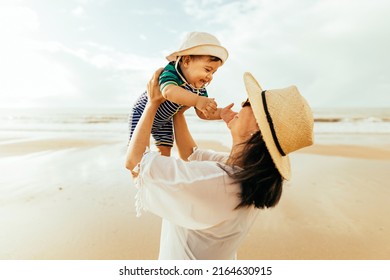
(199,71)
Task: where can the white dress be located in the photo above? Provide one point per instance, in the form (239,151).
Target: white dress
(196,200)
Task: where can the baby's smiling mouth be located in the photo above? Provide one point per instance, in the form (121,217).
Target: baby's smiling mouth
(199,84)
(203,82)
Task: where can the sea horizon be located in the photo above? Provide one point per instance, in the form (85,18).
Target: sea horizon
(342,125)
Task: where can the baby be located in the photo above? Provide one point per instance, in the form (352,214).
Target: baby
(182,83)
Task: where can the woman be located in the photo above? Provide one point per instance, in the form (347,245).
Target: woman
(208,201)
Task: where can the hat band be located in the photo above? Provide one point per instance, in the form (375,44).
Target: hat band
(271,124)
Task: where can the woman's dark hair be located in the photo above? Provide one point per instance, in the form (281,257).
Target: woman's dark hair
(261,183)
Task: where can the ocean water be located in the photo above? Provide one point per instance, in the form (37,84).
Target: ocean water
(330,123)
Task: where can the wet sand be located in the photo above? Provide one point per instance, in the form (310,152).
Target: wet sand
(73,199)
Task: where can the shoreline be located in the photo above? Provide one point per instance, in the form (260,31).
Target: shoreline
(25,147)
(28,146)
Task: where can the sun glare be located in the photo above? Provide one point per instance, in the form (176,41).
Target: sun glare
(27,75)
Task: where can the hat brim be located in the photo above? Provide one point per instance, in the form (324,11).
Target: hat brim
(254,91)
(212,50)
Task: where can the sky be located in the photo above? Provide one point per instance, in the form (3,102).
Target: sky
(101,53)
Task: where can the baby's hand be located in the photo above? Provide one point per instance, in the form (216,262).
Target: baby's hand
(206,105)
(227,114)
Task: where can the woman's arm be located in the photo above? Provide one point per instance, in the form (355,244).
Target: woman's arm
(141,136)
(184,141)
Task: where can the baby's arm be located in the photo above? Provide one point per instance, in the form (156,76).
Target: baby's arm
(226,114)
(181,96)
(216,115)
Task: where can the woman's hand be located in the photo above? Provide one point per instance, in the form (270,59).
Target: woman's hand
(154,94)
(227,114)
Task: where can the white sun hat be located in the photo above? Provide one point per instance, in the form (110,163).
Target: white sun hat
(200,43)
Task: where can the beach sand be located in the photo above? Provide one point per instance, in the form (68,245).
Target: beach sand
(73,199)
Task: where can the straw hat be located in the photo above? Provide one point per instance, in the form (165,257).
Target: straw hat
(284,118)
(200,43)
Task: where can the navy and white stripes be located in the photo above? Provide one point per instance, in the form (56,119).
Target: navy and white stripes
(162,129)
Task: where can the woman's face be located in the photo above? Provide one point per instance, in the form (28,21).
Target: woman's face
(199,71)
(243,123)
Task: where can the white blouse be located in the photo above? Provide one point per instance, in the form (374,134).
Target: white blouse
(196,200)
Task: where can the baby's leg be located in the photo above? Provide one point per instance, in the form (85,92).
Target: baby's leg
(163,136)
(165,150)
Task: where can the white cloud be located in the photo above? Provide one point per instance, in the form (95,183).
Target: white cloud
(334,51)
(83,74)
(78,11)
(325,47)
(17,20)
(152,11)
(28,77)
(24,72)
